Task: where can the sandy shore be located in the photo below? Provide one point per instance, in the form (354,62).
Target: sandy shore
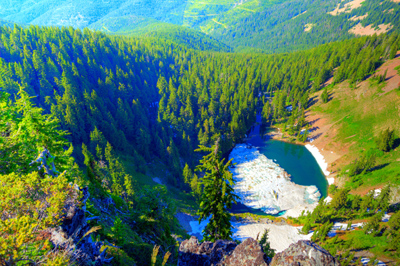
(319,158)
(323,164)
(262,184)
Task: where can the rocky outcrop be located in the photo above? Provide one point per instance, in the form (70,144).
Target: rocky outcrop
(248,253)
(304,253)
(222,252)
(74,236)
(205,254)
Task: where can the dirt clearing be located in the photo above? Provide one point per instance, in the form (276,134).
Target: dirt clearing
(347,7)
(369,30)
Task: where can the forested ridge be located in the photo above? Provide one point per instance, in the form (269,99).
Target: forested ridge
(271,26)
(156,101)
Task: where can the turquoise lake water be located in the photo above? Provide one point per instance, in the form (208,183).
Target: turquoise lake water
(295,159)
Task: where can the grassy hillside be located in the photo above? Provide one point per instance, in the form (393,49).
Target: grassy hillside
(352,121)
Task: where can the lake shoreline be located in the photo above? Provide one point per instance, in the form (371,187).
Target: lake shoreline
(323,162)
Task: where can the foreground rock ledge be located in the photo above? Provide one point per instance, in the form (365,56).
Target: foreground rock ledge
(305,253)
(250,253)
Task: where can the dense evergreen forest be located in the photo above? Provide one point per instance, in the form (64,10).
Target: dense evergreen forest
(152,100)
(146,97)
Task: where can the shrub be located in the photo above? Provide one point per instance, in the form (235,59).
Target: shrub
(325,96)
(120,257)
(29,204)
(141,253)
(385,140)
(360,166)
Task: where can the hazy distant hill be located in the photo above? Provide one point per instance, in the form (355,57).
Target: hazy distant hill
(6,23)
(82,13)
(140,26)
(259,25)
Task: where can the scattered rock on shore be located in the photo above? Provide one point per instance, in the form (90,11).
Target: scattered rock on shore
(262,184)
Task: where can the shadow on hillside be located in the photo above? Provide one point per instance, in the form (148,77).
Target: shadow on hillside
(313,129)
(378,167)
(312,101)
(387,78)
(316,136)
(396,143)
(313,122)
(330,97)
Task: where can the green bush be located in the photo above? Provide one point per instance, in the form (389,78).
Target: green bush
(141,253)
(362,165)
(120,257)
(325,96)
(385,140)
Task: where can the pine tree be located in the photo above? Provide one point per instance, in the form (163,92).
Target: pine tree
(325,96)
(217,195)
(187,174)
(195,186)
(266,246)
(339,199)
(383,200)
(385,140)
(306,228)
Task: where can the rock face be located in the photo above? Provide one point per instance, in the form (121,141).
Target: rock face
(222,252)
(248,253)
(191,253)
(72,234)
(304,253)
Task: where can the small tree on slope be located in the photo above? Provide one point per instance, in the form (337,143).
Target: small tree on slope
(217,195)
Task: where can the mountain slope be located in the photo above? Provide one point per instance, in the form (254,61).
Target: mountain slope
(144,27)
(297,25)
(269,26)
(352,120)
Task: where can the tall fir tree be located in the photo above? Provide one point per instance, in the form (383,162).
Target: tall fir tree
(218,194)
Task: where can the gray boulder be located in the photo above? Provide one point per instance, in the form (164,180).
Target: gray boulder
(222,252)
(248,253)
(304,253)
(191,253)
(73,235)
